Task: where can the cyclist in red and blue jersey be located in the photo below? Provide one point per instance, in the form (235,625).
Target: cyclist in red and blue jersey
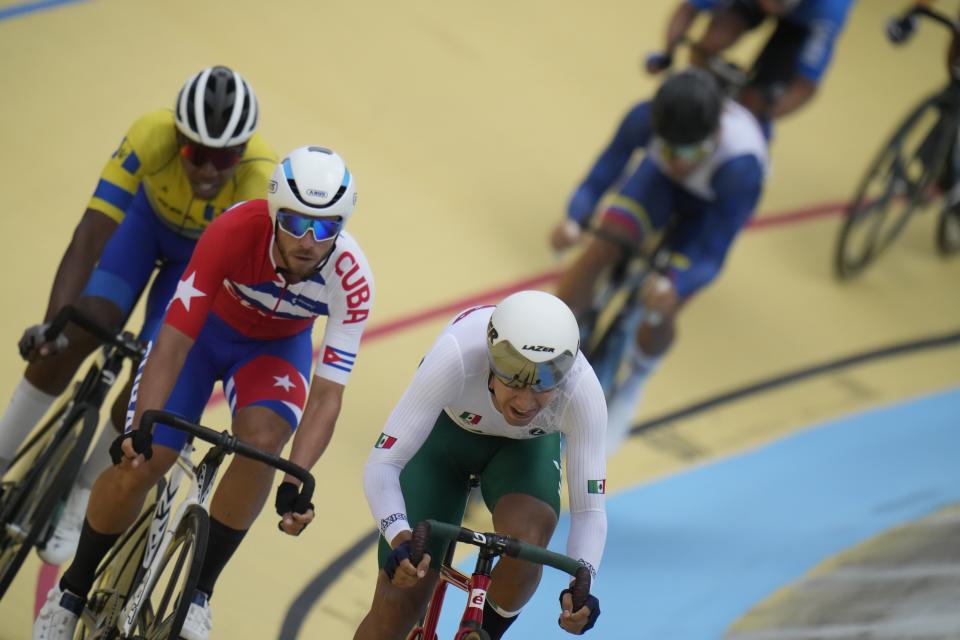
(242,313)
(703,173)
(173,173)
(792,64)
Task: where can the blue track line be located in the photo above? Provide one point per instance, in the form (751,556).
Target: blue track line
(32,7)
(688,555)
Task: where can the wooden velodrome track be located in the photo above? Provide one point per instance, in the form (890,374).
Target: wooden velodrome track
(467,126)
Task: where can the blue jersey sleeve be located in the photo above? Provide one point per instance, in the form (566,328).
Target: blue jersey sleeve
(703,5)
(633,133)
(737,185)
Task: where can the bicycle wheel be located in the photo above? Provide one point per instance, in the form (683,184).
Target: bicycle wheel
(30,503)
(948,230)
(899,180)
(115,578)
(165,606)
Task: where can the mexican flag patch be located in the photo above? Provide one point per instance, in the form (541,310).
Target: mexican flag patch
(384,442)
(472,418)
(597,486)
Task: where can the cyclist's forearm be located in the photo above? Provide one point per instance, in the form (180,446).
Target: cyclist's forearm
(314,432)
(381,485)
(162,368)
(588,537)
(683,16)
(78,261)
(577,282)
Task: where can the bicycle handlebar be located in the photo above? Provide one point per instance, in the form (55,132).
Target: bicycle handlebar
(129,347)
(231,444)
(505,545)
(900,29)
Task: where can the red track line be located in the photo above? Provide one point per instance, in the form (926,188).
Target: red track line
(797,215)
(405,322)
(450,308)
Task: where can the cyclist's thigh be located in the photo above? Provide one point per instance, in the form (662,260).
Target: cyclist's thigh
(645,201)
(190,392)
(273,374)
(699,246)
(434,481)
(128,258)
(749,11)
(530,467)
(777,63)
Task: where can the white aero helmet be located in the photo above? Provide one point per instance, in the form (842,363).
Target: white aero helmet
(532,340)
(312,181)
(216,108)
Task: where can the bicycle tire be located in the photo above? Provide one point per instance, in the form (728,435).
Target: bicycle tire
(890,169)
(948,230)
(43,488)
(114,581)
(187,548)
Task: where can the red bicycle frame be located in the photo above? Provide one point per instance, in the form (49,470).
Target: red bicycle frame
(476,587)
(491,546)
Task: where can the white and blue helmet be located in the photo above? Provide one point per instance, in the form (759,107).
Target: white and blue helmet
(312,181)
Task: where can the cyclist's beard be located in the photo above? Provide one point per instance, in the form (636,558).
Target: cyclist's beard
(293,270)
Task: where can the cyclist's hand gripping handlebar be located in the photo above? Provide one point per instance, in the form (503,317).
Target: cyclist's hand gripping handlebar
(127,447)
(579,590)
(47,339)
(900,29)
(296,514)
(34,343)
(231,444)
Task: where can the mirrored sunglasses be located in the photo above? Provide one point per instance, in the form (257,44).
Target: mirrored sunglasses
(199,155)
(298,225)
(517,372)
(688,152)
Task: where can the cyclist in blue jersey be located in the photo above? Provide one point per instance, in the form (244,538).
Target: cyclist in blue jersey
(786,74)
(703,172)
(173,173)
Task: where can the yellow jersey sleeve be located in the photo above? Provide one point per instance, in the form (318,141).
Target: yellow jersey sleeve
(150,144)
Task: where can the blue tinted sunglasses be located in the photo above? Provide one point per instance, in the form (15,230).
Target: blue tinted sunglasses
(298,225)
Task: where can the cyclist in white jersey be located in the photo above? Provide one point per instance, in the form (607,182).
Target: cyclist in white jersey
(491,398)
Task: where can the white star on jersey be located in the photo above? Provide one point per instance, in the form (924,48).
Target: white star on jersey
(283,382)
(186,291)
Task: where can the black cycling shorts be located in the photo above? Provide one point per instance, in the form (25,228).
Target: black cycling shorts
(777,63)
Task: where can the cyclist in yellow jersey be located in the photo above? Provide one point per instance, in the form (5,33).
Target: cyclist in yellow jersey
(172,174)
(181,196)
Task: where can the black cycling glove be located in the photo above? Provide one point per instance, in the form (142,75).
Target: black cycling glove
(142,443)
(592,603)
(288,501)
(396,558)
(35,336)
